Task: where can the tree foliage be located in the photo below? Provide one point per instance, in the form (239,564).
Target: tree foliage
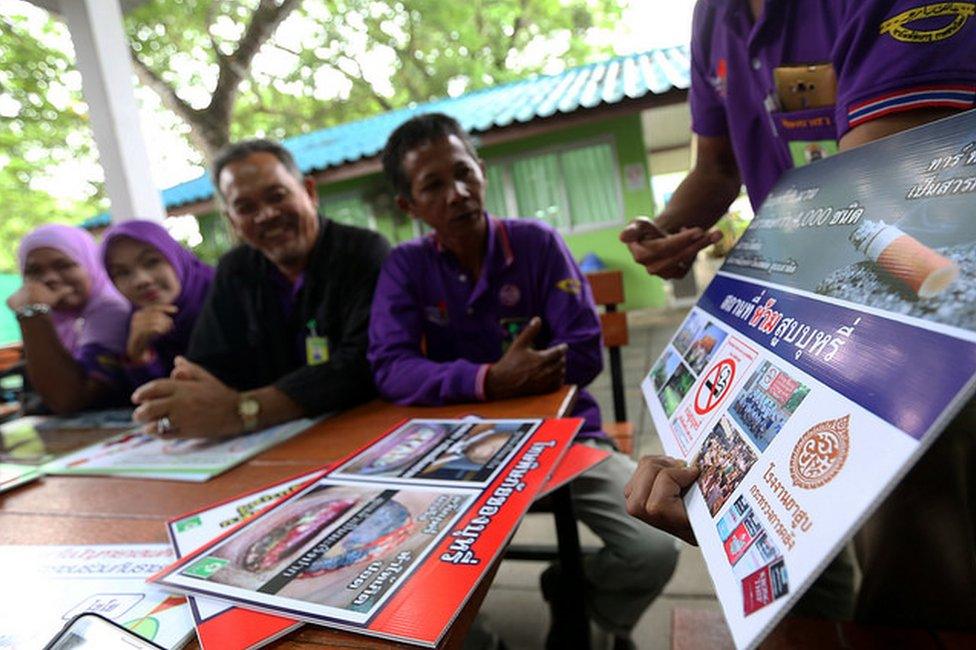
(324,62)
(236,68)
(43,124)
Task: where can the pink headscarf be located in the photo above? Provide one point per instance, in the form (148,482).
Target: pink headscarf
(105,316)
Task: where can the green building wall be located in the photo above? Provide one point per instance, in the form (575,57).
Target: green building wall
(640,289)
(9,329)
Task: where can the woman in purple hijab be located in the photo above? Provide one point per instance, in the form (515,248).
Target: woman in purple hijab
(72,320)
(166,285)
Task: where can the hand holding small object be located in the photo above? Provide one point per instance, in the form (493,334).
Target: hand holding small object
(668,255)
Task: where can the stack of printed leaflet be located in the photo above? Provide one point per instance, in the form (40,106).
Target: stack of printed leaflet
(137,455)
(45,586)
(389,542)
(28,443)
(833,347)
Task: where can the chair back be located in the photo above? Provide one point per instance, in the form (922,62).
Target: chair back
(608,292)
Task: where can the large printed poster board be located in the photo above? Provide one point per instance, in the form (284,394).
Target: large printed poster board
(834,345)
(394,539)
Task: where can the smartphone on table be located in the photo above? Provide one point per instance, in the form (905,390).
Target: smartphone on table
(92,631)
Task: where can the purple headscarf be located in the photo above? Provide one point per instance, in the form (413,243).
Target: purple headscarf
(194,276)
(98,321)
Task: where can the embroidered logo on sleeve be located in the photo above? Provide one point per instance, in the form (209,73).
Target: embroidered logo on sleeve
(720,81)
(899,28)
(569,285)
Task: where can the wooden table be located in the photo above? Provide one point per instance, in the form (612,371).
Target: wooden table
(103,510)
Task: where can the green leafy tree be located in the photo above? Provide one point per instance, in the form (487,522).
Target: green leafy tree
(325,62)
(43,124)
(236,68)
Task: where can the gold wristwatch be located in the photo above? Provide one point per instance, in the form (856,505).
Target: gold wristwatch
(249,409)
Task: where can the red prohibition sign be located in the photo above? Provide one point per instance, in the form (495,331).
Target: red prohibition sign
(714,386)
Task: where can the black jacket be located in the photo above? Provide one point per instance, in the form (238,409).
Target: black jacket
(243,337)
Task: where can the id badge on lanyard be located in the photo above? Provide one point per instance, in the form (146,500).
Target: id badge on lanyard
(316,347)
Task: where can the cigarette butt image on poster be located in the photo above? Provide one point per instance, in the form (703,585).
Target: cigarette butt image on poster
(922,269)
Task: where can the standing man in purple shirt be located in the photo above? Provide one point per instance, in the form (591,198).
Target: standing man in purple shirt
(777,84)
(486,308)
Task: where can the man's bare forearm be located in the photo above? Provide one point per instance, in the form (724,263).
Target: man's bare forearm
(702,198)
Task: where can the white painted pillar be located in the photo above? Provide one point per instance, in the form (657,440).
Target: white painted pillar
(106,70)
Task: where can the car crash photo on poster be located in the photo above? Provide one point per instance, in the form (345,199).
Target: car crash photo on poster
(831,349)
(340,549)
(396,559)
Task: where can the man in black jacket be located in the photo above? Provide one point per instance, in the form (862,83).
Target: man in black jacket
(283,333)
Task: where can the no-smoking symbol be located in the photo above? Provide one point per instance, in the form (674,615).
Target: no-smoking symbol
(715,386)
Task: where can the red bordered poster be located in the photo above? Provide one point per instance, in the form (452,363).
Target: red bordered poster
(394,540)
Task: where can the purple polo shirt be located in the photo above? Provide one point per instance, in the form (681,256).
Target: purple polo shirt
(434,330)
(288,294)
(102,363)
(889,56)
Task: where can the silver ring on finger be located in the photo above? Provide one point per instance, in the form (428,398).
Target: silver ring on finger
(164,425)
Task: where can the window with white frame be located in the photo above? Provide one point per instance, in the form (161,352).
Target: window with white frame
(570,188)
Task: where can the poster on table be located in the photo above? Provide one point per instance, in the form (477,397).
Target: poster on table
(13,475)
(45,586)
(37,439)
(222,625)
(831,349)
(135,454)
(396,557)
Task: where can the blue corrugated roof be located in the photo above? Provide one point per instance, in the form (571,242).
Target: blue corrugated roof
(606,82)
(100,220)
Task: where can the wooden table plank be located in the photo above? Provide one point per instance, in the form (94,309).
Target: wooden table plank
(130,497)
(19,528)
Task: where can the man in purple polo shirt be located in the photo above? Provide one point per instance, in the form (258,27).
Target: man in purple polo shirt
(486,308)
(777,84)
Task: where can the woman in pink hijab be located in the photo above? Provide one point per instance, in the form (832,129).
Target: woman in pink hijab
(72,320)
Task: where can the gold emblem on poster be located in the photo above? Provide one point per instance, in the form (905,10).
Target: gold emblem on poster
(820,453)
